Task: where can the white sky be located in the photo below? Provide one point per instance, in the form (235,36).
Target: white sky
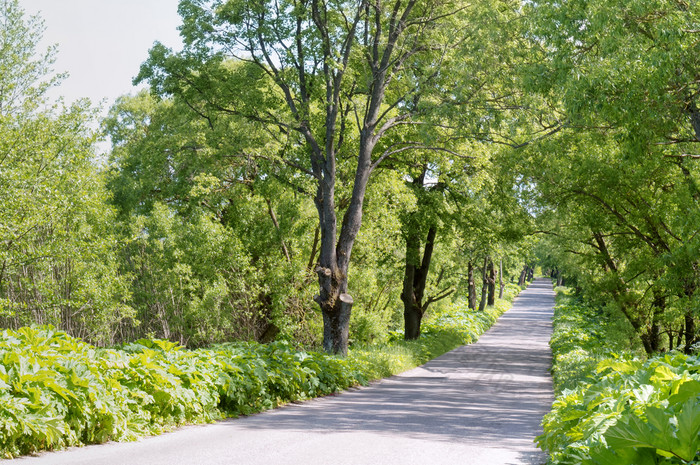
(102,43)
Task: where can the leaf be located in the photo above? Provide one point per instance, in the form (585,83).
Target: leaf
(634,433)
(688,430)
(662,421)
(625,456)
(644,393)
(687,390)
(663,374)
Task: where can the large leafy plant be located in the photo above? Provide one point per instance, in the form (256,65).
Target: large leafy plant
(619,409)
(58,391)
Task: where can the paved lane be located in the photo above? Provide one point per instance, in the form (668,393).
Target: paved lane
(479,404)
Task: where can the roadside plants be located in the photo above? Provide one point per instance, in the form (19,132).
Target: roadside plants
(618,409)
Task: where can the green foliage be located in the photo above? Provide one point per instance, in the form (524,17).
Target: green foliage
(583,336)
(58,391)
(613,409)
(58,262)
(618,185)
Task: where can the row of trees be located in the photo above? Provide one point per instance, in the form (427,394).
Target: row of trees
(427,144)
(58,254)
(619,185)
(225,189)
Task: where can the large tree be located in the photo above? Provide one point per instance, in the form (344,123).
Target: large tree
(626,74)
(344,74)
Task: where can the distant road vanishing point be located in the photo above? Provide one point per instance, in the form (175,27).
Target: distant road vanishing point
(480,404)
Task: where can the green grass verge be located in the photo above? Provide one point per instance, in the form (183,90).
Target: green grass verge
(615,408)
(57,391)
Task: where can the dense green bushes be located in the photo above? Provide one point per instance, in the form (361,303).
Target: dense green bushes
(614,408)
(583,336)
(58,391)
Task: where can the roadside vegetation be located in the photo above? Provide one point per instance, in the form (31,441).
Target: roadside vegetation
(58,391)
(363,180)
(615,405)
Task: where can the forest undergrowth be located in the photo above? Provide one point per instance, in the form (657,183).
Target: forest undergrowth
(58,391)
(615,406)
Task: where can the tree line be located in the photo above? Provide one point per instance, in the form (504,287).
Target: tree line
(235,189)
(323,171)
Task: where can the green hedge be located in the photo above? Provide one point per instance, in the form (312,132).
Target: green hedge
(58,391)
(616,409)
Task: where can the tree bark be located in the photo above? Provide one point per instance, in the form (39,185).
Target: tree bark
(658,309)
(471,286)
(492,284)
(336,326)
(500,279)
(484,285)
(690,336)
(415,279)
(523,275)
(314,250)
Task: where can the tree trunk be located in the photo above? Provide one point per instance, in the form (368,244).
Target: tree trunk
(658,307)
(415,279)
(276,223)
(484,285)
(334,258)
(314,250)
(492,284)
(690,336)
(500,279)
(412,317)
(523,275)
(471,286)
(336,326)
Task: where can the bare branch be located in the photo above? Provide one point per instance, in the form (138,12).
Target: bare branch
(414,146)
(441,295)
(683,155)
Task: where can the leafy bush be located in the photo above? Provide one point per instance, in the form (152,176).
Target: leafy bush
(58,391)
(618,409)
(583,336)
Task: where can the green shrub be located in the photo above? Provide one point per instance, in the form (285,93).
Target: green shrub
(614,408)
(58,391)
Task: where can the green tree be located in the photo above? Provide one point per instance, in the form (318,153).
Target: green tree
(57,250)
(172,174)
(626,76)
(345,75)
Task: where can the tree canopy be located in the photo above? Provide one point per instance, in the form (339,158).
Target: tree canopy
(439,147)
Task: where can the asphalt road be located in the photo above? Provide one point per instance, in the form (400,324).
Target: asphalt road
(479,404)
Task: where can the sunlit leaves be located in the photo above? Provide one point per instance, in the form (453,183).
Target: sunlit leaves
(57,391)
(57,248)
(627,411)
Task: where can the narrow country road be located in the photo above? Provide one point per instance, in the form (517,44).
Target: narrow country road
(480,404)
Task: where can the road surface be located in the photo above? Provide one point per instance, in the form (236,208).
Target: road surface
(480,404)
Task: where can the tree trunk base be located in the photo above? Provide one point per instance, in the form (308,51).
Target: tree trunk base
(336,326)
(412,322)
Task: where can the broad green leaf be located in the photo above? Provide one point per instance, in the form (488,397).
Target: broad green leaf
(688,430)
(686,390)
(634,433)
